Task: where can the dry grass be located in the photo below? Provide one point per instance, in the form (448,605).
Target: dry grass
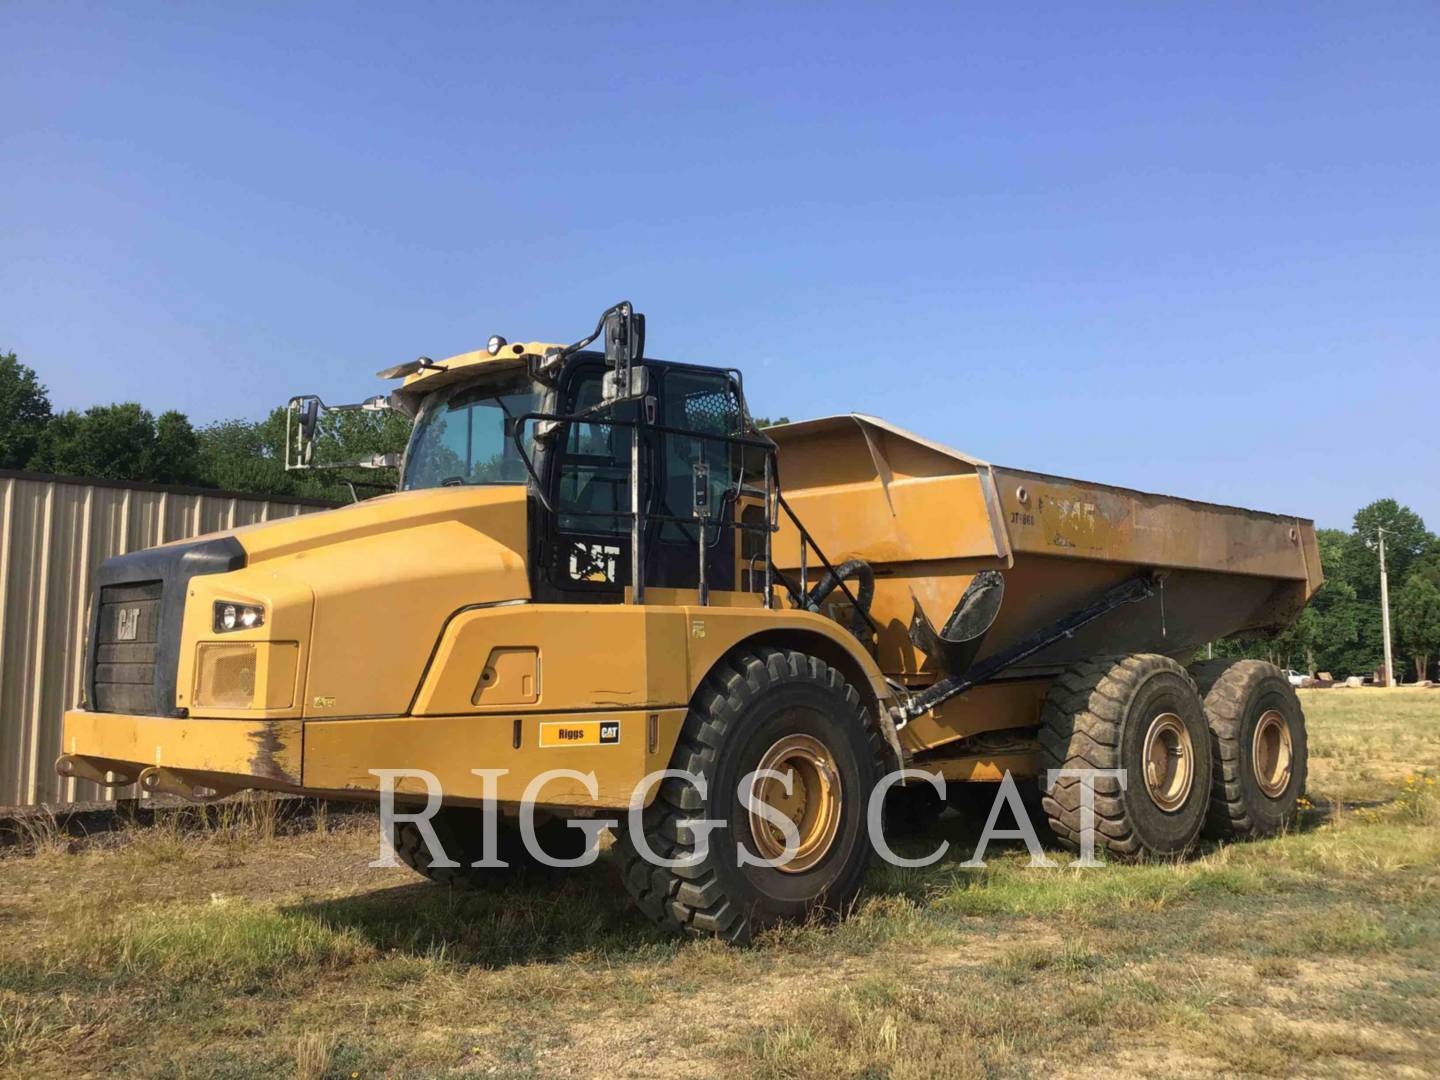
(246,945)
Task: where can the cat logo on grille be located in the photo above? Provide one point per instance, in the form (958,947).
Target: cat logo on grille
(127,623)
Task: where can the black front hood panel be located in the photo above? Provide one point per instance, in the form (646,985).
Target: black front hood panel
(171,567)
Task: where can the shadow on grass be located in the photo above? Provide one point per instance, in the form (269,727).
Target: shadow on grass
(542,918)
(586,914)
(1323,811)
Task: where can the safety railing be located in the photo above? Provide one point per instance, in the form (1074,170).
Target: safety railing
(640,517)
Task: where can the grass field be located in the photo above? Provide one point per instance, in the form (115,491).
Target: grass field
(249,949)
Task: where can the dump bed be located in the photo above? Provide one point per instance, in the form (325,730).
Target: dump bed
(928,518)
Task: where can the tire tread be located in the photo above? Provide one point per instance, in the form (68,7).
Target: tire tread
(692,899)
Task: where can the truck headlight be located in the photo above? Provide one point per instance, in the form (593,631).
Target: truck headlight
(233,615)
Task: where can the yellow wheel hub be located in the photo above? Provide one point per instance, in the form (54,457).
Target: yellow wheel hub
(812,803)
(1271,754)
(1169,762)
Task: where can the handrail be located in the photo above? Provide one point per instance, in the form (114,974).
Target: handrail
(586,417)
(774,500)
(806,538)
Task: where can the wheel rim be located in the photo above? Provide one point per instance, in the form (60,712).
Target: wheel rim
(1271,753)
(1169,762)
(812,804)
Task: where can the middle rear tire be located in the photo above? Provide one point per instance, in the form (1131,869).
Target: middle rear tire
(1142,714)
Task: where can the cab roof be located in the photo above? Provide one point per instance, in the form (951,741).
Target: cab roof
(463,367)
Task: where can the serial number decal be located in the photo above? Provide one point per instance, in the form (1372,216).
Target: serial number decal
(580,733)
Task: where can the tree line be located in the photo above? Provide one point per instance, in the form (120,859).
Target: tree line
(1339,631)
(126,441)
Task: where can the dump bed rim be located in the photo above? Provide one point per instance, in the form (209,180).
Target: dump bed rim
(1278,517)
(820,423)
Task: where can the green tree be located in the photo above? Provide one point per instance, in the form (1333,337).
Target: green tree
(121,442)
(1405,539)
(175,452)
(1334,639)
(350,436)
(1338,641)
(1427,566)
(246,455)
(1417,621)
(111,442)
(24,412)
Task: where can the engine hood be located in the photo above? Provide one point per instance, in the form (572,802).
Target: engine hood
(498,511)
(385,576)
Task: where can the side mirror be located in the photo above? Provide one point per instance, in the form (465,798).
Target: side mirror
(302,420)
(624,335)
(624,351)
(302,425)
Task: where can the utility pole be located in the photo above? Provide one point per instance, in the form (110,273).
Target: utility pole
(1385,613)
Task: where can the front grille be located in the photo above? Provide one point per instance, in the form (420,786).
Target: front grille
(127,643)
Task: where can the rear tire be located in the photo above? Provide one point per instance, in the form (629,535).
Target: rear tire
(753,702)
(1140,713)
(1257,735)
(459,830)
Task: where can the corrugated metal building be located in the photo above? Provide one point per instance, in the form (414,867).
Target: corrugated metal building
(55,531)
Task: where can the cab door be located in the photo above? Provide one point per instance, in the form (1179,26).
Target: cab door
(585,544)
(706,401)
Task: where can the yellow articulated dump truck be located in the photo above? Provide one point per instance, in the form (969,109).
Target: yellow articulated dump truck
(602,594)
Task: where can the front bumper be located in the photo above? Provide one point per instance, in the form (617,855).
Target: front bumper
(210,757)
(186,756)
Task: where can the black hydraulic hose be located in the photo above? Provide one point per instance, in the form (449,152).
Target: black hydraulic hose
(1127,592)
(853,568)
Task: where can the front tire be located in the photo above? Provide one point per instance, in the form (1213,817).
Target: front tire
(459,830)
(1142,714)
(761,708)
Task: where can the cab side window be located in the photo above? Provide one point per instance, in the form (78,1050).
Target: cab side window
(704,402)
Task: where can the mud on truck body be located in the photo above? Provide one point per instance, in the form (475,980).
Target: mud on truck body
(596,563)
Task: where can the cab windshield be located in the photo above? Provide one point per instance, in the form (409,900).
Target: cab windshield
(465,435)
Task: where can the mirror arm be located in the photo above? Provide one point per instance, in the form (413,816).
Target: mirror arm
(599,329)
(516,434)
(374,461)
(302,419)
(378,403)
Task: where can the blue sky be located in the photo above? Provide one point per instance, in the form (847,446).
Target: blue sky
(1191,249)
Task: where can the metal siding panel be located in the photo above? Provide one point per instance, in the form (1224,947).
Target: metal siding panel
(78,609)
(57,636)
(17,693)
(9,632)
(53,537)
